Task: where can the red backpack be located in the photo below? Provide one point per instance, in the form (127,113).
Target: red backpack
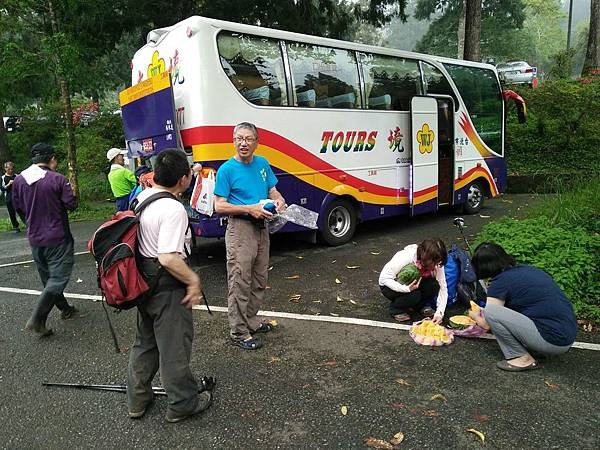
(115,248)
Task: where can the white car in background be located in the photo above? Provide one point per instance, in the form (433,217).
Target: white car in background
(517,72)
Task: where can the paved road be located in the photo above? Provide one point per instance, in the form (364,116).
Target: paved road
(290,393)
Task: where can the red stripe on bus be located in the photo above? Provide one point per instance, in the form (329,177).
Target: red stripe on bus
(224,134)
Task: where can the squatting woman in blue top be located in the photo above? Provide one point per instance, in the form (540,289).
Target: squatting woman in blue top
(526,310)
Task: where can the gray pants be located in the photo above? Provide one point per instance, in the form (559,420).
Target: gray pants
(247,267)
(54,265)
(163,340)
(517,334)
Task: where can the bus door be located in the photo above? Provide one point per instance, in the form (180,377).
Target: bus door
(445,151)
(424,167)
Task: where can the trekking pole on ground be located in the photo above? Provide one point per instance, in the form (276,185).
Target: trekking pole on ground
(206,384)
(110,326)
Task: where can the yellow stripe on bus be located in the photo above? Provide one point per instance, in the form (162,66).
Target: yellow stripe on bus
(146,87)
(217,152)
(425,197)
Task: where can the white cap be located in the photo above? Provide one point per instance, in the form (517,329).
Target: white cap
(114,152)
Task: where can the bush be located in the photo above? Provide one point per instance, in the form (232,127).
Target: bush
(569,255)
(562,133)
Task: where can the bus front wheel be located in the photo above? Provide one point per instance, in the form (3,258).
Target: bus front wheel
(340,222)
(475,197)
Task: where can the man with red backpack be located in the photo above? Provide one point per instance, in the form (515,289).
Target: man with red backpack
(164,320)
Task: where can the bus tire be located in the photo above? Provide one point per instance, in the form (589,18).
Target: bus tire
(475,197)
(339,222)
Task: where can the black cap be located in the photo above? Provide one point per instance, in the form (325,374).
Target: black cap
(142,170)
(41,149)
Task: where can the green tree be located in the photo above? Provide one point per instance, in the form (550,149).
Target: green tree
(591,65)
(499,21)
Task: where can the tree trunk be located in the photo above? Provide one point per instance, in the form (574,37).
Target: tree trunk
(65,95)
(591,65)
(461,32)
(472,30)
(4,150)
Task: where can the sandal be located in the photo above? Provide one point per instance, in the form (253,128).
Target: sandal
(403,317)
(505,365)
(247,344)
(263,328)
(427,311)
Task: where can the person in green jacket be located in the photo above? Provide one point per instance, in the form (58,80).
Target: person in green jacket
(122,180)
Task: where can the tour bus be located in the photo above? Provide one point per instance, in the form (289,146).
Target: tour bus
(353,132)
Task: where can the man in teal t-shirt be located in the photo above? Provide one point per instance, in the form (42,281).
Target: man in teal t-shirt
(242,182)
(122,181)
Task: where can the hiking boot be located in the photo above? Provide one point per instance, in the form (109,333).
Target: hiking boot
(204,402)
(139,413)
(39,328)
(68,313)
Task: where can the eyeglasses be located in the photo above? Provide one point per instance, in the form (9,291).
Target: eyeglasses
(247,140)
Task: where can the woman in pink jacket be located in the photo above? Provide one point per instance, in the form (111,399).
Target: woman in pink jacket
(430,257)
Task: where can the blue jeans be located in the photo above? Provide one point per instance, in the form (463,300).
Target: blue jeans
(54,264)
(122,203)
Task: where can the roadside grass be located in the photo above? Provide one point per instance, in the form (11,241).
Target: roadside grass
(561,235)
(87,211)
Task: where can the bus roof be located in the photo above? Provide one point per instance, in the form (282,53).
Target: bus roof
(195,23)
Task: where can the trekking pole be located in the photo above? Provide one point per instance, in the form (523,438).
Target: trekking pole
(110,326)
(206,384)
(206,302)
(459,222)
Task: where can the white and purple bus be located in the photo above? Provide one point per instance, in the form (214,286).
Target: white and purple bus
(353,132)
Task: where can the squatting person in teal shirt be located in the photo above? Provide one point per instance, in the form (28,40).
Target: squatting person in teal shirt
(122,181)
(242,182)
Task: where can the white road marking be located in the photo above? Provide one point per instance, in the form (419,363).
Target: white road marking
(20,263)
(286,315)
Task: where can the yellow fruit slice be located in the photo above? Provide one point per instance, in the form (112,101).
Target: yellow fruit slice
(474,307)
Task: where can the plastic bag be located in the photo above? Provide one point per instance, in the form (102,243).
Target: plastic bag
(196,192)
(473,331)
(206,202)
(295,214)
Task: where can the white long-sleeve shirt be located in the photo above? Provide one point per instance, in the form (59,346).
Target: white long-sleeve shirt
(387,277)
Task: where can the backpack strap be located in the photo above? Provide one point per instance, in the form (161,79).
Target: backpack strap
(138,206)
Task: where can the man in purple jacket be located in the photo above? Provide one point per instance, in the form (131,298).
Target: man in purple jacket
(45,196)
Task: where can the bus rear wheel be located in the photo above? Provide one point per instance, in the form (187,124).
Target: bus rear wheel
(340,222)
(475,197)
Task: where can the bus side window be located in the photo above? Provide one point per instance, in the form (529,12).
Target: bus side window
(324,77)
(390,82)
(254,66)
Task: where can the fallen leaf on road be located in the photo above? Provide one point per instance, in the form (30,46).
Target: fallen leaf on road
(328,363)
(295,298)
(337,281)
(339,299)
(378,443)
(344,410)
(334,314)
(482,418)
(477,433)
(334,261)
(484,217)
(397,439)
(274,359)
(377,252)
(292,277)
(552,386)
(438,397)
(79,280)
(317,301)
(430,413)
(300,257)
(397,405)
(402,382)
(270,268)
(351,267)
(353,302)
(273,323)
